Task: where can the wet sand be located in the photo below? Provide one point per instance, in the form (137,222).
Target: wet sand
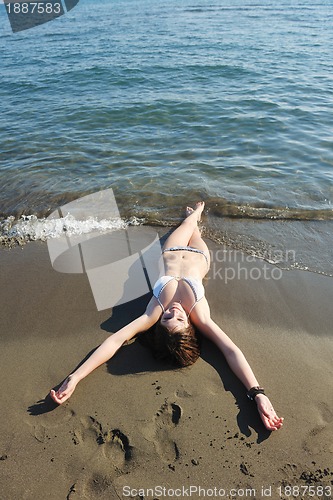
(135,424)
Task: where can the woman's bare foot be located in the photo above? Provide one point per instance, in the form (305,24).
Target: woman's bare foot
(65,390)
(189,211)
(267,413)
(199,207)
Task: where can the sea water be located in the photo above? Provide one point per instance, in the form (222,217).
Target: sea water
(229,101)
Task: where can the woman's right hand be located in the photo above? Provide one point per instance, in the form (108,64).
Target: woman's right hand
(267,413)
(65,390)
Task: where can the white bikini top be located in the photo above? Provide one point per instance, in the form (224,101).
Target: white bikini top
(195,285)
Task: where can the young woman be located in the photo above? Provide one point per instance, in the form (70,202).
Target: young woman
(177,306)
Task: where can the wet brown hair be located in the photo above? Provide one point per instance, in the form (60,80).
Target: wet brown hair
(179,348)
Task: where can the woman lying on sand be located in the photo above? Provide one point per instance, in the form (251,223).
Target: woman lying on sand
(181,297)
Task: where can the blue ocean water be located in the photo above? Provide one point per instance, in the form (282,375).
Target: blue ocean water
(229,101)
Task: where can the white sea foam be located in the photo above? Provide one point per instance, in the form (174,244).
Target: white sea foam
(31,228)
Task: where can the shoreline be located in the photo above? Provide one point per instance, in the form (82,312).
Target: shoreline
(135,423)
(288,244)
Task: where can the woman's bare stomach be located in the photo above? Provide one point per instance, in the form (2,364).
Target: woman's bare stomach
(185,263)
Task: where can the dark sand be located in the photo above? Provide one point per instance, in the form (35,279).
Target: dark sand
(134,423)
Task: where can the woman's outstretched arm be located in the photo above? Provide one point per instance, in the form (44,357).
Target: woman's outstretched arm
(104,352)
(237,362)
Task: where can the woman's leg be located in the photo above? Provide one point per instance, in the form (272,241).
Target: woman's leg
(183,234)
(197,242)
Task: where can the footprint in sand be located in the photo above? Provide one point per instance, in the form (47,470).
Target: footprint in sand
(97,486)
(42,424)
(319,438)
(112,444)
(161,431)
(106,452)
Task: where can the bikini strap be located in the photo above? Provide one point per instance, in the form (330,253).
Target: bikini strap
(160,303)
(195,303)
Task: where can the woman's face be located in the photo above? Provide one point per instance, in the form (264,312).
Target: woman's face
(174,318)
